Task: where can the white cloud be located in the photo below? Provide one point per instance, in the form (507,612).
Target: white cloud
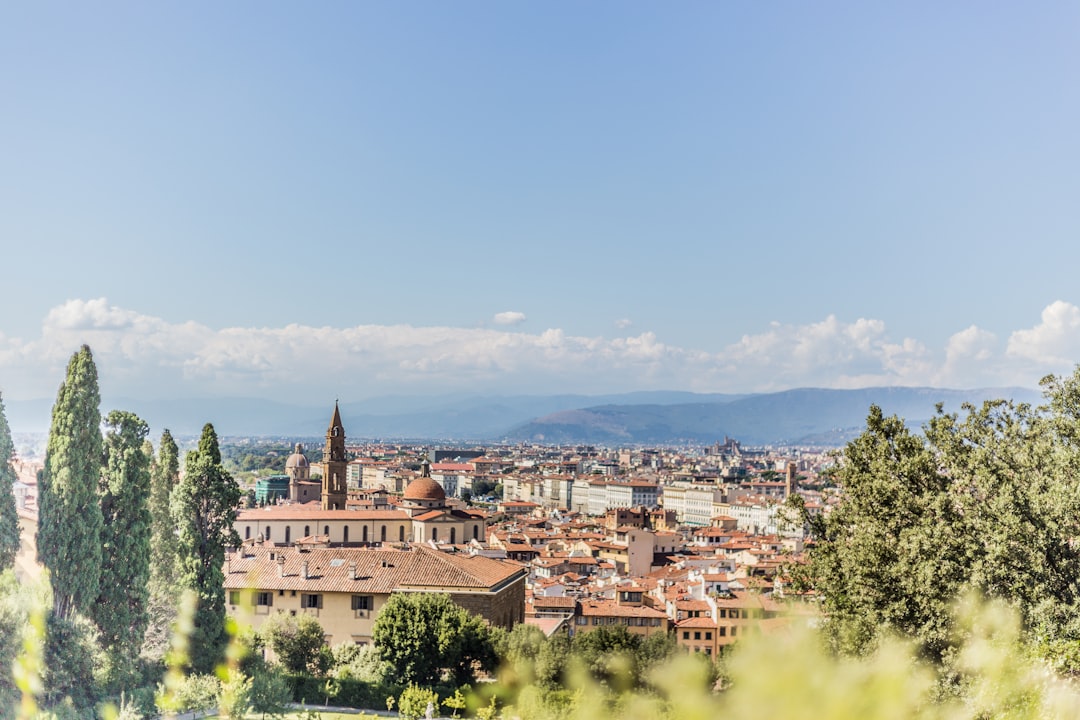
(623,323)
(509,318)
(1053,342)
(145,356)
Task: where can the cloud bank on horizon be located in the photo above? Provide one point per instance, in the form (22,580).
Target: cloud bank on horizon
(140,355)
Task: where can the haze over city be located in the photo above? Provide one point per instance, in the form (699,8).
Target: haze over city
(349,200)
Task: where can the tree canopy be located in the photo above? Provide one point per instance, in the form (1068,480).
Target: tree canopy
(423,635)
(9,516)
(299,643)
(121,608)
(985,500)
(203,509)
(69,514)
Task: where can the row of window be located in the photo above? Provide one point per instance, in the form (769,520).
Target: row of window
(721,632)
(630,621)
(363,533)
(307,600)
(326,531)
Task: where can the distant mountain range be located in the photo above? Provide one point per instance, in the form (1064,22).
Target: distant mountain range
(805,416)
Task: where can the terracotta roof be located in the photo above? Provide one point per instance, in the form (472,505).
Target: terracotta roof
(377,571)
(562,603)
(424,488)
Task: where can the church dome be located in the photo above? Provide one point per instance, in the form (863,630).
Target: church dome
(424,488)
(297,459)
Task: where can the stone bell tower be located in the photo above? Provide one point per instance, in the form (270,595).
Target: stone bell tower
(334,487)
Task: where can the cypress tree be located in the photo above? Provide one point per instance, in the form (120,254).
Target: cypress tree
(204,510)
(69,515)
(121,608)
(165,474)
(9,517)
(164,592)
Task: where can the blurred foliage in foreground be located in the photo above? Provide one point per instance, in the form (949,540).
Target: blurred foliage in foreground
(794,676)
(791,674)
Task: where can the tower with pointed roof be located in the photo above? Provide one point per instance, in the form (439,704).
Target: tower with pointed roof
(334,488)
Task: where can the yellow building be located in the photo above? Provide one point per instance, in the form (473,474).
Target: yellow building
(345,588)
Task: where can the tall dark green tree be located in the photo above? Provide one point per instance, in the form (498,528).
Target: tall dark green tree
(9,516)
(69,515)
(121,608)
(204,509)
(164,590)
(165,475)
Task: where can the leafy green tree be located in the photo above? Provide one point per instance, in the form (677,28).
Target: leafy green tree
(270,694)
(9,516)
(14,611)
(552,661)
(423,635)
(359,662)
(121,608)
(203,510)
(299,643)
(71,649)
(986,501)
(519,649)
(69,515)
(610,654)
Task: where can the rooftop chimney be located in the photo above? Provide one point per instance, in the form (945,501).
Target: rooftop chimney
(304,569)
(352,570)
(281,566)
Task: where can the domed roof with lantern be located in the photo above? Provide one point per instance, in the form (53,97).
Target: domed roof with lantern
(297,459)
(423,489)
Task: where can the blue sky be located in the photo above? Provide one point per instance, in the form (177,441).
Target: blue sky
(354,199)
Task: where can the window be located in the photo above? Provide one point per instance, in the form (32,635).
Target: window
(345,534)
(475,532)
(266,599)
(267,535)
(582,620)
(247,532)
(401,533)
(686,635)
(311,601)
(326,531)
(234,597)
(596,620)
(287,534)
(382,534)
(708,634)
(722,632)
(434,533)
(697,634)
(733,631)
(453,535)
(364,534)
(307,531)
(361,602)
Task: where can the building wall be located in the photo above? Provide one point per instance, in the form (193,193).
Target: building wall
(279,530)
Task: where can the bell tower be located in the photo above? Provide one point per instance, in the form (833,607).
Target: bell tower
(334,488)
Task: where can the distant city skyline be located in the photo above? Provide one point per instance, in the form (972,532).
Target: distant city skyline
(355,200)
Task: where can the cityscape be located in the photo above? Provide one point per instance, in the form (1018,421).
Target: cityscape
(527,361)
